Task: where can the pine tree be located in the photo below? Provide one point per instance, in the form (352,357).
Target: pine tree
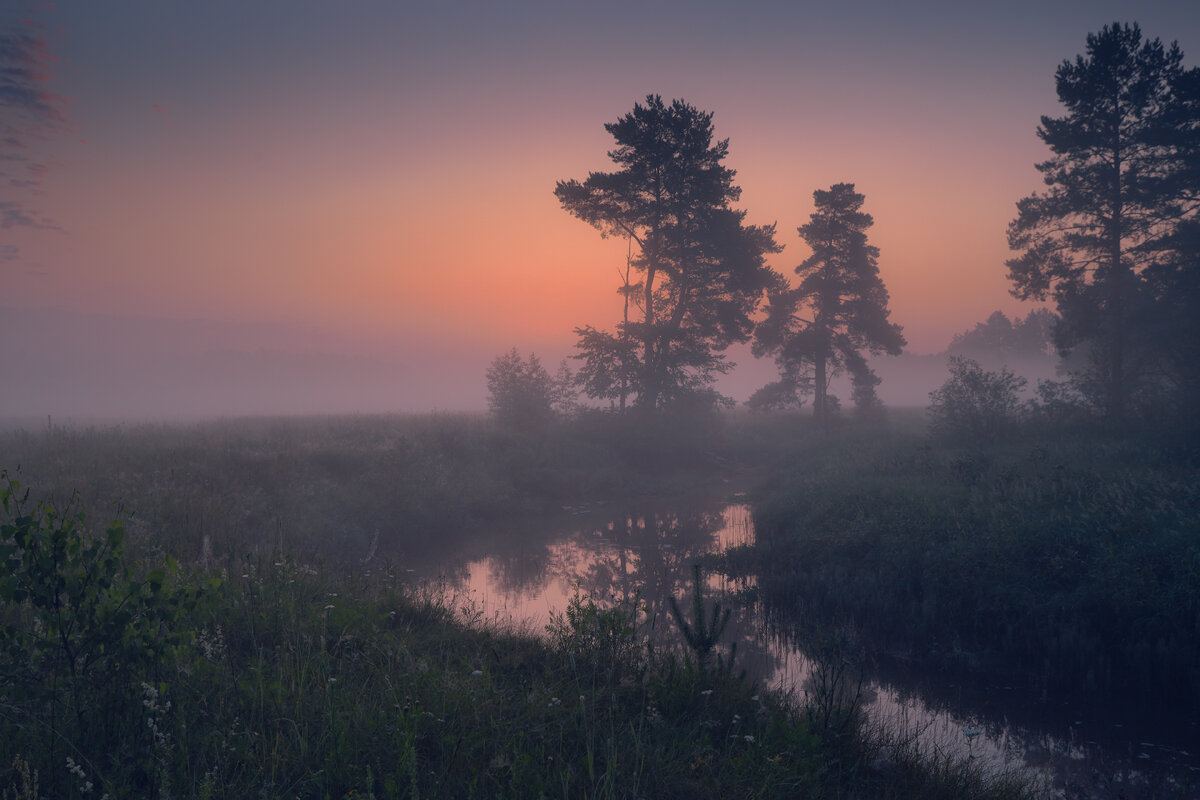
(702,269)
(1122,179)
(838,311)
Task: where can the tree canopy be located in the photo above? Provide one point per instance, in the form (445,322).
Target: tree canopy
(1124,183)
(700,269)
(838,312)
(1002,338)
(521,393)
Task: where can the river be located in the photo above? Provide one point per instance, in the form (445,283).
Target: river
(643,552)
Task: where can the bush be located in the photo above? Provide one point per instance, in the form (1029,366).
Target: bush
(521,392)
(85,649)
(974,404)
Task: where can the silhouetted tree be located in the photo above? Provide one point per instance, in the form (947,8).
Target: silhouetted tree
(521,392)
(839,309)
(1172,325)
(1000,337)
(1122,178)
(779,395)
(974,404)
(703,271)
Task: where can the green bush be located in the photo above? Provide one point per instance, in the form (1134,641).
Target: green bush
(84,646)
(974,404)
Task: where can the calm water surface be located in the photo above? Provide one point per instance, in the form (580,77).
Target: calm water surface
(615,553)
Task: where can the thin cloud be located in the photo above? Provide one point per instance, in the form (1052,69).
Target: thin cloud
(25,68)
(15,215)
(29,113)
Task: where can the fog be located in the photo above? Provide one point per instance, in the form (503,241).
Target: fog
(92,368)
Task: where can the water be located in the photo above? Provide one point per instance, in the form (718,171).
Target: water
(616,553)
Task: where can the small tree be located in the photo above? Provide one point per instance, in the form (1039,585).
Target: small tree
(521,393)
(974,404)
(779,395)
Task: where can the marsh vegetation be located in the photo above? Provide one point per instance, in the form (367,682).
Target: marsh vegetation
(284,586)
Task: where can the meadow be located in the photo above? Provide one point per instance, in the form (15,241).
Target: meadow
(219,610)
(1063,559)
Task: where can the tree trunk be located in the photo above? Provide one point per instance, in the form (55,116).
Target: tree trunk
(1116,388)
(820,406)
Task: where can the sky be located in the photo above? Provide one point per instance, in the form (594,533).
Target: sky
(372,182)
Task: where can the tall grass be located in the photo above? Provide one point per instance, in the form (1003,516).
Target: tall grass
(1062,559)
(337,488)
(277,680)
(248,669)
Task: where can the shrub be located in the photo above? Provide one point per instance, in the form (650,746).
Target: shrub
(974,404)
(521,392)
(84,647)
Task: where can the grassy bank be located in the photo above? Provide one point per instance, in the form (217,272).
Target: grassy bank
(338,488)
(1064,559)
(275,679)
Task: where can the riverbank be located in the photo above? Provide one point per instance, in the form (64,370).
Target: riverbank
(263,666)
(1061,560)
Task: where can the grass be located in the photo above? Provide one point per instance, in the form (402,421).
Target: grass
(1062,559)
(329,487)
(265,667)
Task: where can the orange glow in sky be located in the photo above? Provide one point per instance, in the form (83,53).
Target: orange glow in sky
(385,172)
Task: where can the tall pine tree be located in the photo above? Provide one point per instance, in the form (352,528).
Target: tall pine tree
(701,269)
(1122,179)
(838,312)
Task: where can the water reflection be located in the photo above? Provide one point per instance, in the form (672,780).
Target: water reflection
(644,551)
(639,552)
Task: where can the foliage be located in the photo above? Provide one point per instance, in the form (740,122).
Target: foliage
(779,395)
(296,683)
(605,641)
(521,392)
(702,269)
(85,647)
(287,680)
(1122,181)
(1061,558)
(974,404)
(1000,338)
(1172,325)
(839,309)
(1059,402)
(704,632)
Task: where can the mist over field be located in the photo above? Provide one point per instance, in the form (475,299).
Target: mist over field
(95,367)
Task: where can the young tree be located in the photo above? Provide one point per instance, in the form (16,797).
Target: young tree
(839,309)
(702,269)
(521,392)
(1122,178)
(974,404)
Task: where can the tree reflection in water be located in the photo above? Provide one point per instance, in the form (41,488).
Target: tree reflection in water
(624,553)
(644,552)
